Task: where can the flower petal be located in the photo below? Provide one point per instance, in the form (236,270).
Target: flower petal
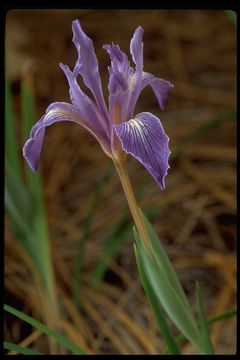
(136,48)
(87,64)
(56,112)
(119,80)
(119,62)
(160,87)
(145,139)
(86,106)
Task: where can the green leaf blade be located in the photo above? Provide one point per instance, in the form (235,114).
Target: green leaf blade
(19,349)
(165,265)
(156,308)
(205,336)
(46,330)
(34,183)
(170,300)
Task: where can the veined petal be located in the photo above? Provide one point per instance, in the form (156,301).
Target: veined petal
(87,64)
(145,139)
(160,87)
(86,106)
(56,112)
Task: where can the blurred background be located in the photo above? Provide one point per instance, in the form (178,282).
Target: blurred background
(102,305)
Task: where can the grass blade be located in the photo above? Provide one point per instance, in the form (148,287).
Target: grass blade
(46,330)
(156,308)
(205,336)
(223,316)
(17,211)
(19,193)
(34,182)
(19,349)
(180,339)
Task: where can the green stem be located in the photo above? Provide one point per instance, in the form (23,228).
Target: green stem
(132,202)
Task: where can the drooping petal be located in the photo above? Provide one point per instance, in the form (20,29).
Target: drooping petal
(32,149)
(56,112)
(87,64)
(160,87)
(86,106)
(145,139)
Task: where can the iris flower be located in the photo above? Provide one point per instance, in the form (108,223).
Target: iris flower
(116,127)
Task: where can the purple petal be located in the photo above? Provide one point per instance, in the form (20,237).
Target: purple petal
(145,139)
(119,79)
(56,112)
(85,105)
(136,48)
(32,149)
(160,87)
(87,64)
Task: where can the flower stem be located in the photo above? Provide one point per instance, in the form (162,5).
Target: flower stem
(128,190)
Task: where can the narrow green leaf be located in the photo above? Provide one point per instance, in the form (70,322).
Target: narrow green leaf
(16,216)
(46,330)
(205,336)
(156,308)
(223,316)
(180,339)
(165,265)
(169,297)
(18,192)
(19,349)
(10,131)
(20,220)
(34,183)
(119,234)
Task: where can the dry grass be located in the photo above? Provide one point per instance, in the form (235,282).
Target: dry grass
(196,50)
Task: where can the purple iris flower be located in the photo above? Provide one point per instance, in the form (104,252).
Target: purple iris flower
(116,128)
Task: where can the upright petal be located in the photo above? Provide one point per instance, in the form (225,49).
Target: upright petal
(145,139)
(119,79)
(87,64)
(56,112)
(86,106)
(136,48)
